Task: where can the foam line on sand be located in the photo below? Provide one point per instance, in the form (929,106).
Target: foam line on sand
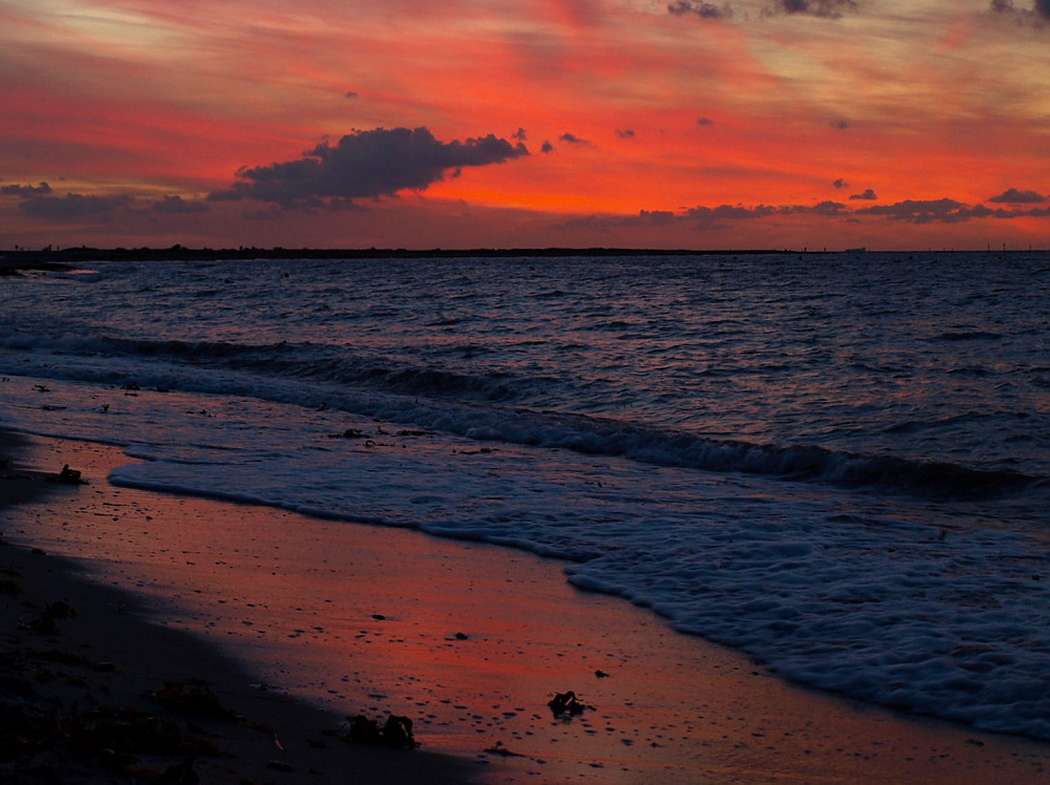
(470,641)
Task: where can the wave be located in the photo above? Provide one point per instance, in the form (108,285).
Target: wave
(314,362)
(488,407)
(928,479)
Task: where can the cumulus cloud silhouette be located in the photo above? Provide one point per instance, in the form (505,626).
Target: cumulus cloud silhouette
(1013,196)
(366,164)
(712,217)
(1038,15)
(700,9)
(921,211)
(827,9)
(867,195)
(25,191)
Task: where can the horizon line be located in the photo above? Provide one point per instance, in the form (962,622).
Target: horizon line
(179,252)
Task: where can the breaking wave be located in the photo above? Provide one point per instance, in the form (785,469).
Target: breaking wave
(493,407)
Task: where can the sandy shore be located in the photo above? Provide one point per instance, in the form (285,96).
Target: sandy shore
(469,641)
(91,692)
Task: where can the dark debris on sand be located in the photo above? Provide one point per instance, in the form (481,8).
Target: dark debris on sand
(395,732)
(565,705)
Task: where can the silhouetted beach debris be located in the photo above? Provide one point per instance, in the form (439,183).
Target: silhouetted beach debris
(565,704)
(68,476)
(461,636)
(600,674)
(395,732)
(193,697)
(349,433)
(499,749)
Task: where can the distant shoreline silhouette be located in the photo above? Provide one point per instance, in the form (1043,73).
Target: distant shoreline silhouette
(23,257)
(52,258)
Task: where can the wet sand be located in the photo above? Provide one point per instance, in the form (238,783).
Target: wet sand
(91,692)
(470,641)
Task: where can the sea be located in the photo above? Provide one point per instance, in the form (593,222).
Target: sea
(836,463)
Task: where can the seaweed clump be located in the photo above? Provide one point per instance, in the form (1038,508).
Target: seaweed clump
(395,732)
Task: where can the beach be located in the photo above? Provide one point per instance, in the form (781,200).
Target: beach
(102,694)
(298,622)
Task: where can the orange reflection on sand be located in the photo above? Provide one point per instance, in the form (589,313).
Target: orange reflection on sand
(471,641)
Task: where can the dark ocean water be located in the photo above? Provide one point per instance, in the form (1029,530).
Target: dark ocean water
(838,463)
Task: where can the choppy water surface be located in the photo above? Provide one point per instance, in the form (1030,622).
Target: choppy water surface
(837,463)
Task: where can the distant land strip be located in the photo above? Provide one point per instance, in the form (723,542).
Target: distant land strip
(38,259)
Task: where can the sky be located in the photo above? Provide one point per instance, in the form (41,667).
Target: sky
(743,124)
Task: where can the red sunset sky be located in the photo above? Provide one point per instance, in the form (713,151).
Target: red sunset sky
(891,124)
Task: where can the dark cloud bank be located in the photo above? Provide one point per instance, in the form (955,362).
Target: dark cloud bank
(701,9)
(1013,196)
(1038,14)
(1035,12)
(826,9)
(368,164)
(25,191)
(914,211)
